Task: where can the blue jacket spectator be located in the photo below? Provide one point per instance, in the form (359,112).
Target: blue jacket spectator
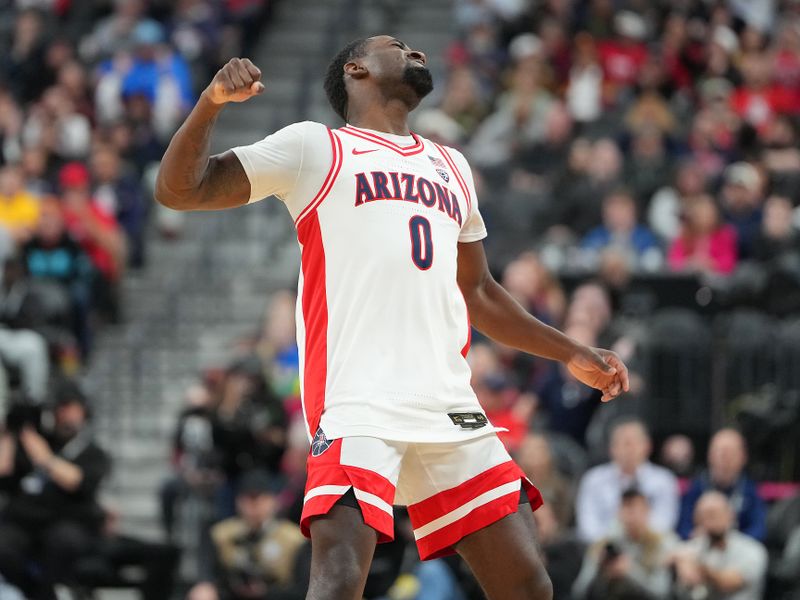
(620,230)
(727,457)
(742,200)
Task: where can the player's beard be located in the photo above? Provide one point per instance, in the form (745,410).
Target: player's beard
(418,79)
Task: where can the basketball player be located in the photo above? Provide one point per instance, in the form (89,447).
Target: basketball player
(393,275)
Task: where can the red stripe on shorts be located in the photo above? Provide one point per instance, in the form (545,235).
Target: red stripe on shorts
(440,541)
(328,480)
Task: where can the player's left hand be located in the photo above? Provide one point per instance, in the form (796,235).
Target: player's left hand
(600,369)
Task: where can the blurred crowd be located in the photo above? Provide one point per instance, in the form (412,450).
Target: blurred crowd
(624,516)
(629,137)
(90,94)
(625,151)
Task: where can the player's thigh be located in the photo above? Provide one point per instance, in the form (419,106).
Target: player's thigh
(347,510)
(342,546)
(506,560)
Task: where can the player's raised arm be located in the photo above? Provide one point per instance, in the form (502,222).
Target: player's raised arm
(190,179)
(494,312)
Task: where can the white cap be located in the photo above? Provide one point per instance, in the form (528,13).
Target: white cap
(524,46)
(630,24)
(726,38)
(742,173)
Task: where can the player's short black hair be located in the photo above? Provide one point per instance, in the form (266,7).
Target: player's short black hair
(334,78)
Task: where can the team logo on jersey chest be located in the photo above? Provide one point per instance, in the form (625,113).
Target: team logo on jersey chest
(440,167)
(320,443)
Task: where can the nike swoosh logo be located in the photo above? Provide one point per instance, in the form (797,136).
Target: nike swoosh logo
(357,152)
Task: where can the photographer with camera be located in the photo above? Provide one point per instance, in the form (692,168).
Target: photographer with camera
(632,564)
(254,552)
(51,477)
(719,562)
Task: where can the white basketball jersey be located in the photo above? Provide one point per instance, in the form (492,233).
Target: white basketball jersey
(382,326)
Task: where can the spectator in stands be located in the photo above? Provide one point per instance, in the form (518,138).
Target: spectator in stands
(115,32)
(705,245)
(719,562)
(727,459)
(21,347)
(677,454)
(741,201)
(52,478)
(254,552)
(785,55)
(248,426)
(601,488)
(778,235)
(52,255)
(666,206)
(25,57)
(621,230)
(504,406)
(74,81)
(37,170)
(536,167)
(759,100)
(781,157)
(590,305)
(535,287)
(153,76)
(516,125)
(195,463)
(97,232)
(11,119)
(19,209)
(584,94)
(623,56)
(56,123)
(648,166)
(579,201)
(463,100)
(535,458)
(195,31)
(633,564)
(120,193)
(276,348)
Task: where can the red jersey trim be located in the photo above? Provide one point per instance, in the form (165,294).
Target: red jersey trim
(315,318)
(465,349)
(375,139)
(330,178)
(459,177)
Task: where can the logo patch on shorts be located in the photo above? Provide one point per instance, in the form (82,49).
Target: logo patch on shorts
(320,443)
(468,420)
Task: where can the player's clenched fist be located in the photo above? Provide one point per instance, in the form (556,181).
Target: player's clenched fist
(237,81)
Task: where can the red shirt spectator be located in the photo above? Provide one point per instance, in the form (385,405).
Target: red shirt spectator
(95,230)
(623,56)
(758,100)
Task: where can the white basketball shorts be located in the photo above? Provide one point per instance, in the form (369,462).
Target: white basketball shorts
(451,489)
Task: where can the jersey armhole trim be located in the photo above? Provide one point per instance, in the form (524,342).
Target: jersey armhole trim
(462,184)
(330,178)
